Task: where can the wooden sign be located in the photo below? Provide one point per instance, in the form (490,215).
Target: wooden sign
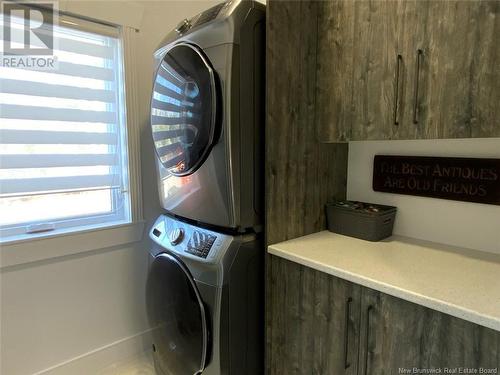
(461,179)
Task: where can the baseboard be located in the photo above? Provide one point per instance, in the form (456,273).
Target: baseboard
(96,360)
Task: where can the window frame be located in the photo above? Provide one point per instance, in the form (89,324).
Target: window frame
(131,211)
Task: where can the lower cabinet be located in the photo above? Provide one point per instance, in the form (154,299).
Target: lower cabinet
(397,335)
(312,321)
(320,324)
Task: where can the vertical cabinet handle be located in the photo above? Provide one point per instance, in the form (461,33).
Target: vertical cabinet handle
(346,333)
(368,314)
(399,61)
(417,79)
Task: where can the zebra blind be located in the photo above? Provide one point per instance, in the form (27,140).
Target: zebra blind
(63,160)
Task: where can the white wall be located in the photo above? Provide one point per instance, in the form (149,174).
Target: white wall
(54,311)
(470,225)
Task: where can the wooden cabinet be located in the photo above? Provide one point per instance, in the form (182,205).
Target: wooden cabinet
(397,334)
(312,321)
(408,69)
(375,49)
(459,80)
(357,49)
(320,324)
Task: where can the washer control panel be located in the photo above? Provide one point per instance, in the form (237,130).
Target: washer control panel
(188,240)
(200,243)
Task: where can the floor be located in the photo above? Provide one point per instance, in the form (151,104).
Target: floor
(142,365)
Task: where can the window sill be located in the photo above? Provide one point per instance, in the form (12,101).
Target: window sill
(54,244)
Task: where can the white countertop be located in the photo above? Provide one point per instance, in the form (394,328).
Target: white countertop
(459,282)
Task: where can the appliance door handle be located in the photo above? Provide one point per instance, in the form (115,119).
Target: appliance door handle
(399,61)
(417,79)
(347,364)
(368,314)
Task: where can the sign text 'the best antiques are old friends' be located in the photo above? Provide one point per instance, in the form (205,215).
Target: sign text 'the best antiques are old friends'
(461,179)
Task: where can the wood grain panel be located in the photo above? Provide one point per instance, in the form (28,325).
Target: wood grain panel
(375,52)
(399,334)
(410,24)
(301,173)
(309,321)
(458,78)
(459,86)
(485,120)
(335,64)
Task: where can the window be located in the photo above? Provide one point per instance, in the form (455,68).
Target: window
(63,139)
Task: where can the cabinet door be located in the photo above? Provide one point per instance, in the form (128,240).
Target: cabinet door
(459,78)
(374,69)
(335,63)
(312,321)
(396,334)
(410,35)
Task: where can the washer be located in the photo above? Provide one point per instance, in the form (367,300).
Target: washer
(204,300)
(207,117)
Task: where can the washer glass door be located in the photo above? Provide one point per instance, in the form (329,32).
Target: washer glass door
(183,109)
(177,317)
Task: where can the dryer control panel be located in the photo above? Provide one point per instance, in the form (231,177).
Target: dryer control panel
(189,241)
(202,18)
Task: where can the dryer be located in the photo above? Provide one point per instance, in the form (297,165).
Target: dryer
(207,117)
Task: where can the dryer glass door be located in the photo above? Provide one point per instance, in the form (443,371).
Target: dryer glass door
(184,109)
(177,317)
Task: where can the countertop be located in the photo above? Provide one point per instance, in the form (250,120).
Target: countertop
(460,282)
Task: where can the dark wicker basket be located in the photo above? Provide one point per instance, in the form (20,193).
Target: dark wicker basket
(372,222)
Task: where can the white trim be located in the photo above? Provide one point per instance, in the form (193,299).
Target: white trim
(129,41)
(98,359)
(41,228)
(39,247)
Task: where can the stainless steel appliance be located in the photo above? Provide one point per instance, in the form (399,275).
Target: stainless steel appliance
(207,116)
(204,300)
(204,289)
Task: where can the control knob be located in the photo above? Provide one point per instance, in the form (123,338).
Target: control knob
(183,26)
(176,235)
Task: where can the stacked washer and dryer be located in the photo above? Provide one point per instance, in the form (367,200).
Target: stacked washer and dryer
(205,284)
